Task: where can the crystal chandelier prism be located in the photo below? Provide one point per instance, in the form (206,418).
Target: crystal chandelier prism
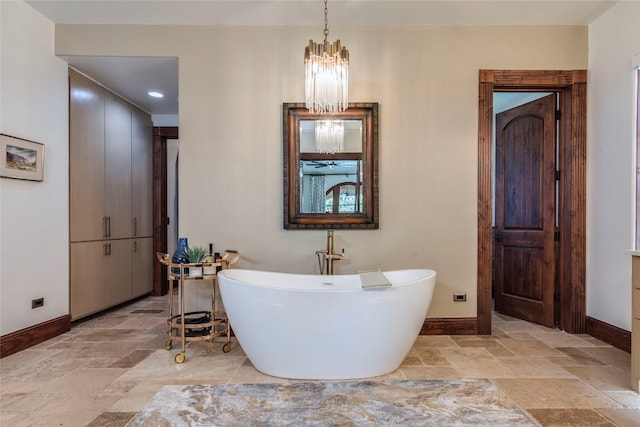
(330,136)
(326,74)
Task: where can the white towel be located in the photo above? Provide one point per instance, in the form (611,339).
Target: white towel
(373,279)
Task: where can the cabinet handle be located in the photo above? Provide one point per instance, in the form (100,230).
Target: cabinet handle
(135,226)
(105,249)
(109,226)
(109,246)
(135,246)
(104,226)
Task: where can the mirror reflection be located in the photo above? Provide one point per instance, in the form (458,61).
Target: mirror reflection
(331,186)
(330,167)
(330,136)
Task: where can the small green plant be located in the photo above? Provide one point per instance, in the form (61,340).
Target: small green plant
(195,254)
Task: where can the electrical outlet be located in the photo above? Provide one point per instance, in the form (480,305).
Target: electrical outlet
(38,302)
(459,296)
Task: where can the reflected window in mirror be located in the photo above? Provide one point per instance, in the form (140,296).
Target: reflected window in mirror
(330,167)
(344,197)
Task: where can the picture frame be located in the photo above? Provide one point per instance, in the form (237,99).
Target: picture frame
(21,158)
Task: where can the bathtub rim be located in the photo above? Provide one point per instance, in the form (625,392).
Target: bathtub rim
(430,273)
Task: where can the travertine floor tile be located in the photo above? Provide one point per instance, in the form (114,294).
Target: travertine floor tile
(622,417)
(557,338)
(580,357)
(570,418)
(137,396)
(516,326)
(629,399)
(554,393)
(109,419)
(161,365)
(603,378)
(412,361)
(476,363)
(83,381)
(529,347)
(62,411)
(533,367)
(82,349)
(430,373)
(109,366)
(610,355)
(492,346)
(434,341)
(432,356)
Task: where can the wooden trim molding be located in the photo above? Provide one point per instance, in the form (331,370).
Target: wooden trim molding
(24,338)
(160,136)
(610,334)
(485,230)
(571,85)
(450,326)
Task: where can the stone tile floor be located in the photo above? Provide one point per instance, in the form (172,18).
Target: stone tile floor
(109,366)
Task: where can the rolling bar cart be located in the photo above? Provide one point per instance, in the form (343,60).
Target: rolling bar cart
(196,325)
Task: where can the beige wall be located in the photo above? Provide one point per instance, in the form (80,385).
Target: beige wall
(34,216)
(233,81)
(614,39)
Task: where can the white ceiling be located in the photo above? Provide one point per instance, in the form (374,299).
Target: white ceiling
(133,77)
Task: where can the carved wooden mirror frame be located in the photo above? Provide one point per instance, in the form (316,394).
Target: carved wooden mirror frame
(292,114)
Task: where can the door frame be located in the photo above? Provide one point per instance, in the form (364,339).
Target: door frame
(160,136)
(571,255)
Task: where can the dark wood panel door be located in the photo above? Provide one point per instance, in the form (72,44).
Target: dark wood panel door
(525,203)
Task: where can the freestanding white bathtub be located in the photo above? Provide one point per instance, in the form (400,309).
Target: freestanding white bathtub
(325,327)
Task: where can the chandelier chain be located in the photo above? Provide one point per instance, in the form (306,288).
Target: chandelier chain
(326,21)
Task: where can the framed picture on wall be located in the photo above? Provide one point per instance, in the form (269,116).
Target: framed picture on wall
(21,159)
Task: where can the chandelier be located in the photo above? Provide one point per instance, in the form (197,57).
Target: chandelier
(326,74)
(330,136)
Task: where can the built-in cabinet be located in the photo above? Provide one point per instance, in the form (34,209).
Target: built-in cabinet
(110,199)
(635,325)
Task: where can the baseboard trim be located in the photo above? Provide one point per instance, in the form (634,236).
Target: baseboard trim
(24,338)
(450,326)
(610,334)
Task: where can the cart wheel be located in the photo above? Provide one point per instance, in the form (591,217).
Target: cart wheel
(226,348)
(168,345)
(180,358)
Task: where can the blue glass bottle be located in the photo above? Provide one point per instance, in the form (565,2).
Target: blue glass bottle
(179,257)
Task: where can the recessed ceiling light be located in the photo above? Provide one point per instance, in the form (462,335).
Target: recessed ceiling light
(156,94)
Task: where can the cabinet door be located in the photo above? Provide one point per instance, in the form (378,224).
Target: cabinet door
(86,159)
(142,173)
(143,260)
(87,276)
(118,272)
(117,152)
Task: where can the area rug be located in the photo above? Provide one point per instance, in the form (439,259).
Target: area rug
(353,403)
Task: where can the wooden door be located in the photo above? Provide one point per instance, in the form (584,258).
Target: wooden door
(117,156)
(525,204)
(86,159)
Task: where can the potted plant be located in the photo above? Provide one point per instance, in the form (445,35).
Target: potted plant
(195,255)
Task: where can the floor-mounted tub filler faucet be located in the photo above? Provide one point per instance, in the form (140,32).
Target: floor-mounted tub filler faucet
(327,256)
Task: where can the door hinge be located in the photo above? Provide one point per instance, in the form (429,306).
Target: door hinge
(557,175)
(556,236)
(558,114)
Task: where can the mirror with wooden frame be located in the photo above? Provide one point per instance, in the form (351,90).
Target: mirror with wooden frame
(330,167)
